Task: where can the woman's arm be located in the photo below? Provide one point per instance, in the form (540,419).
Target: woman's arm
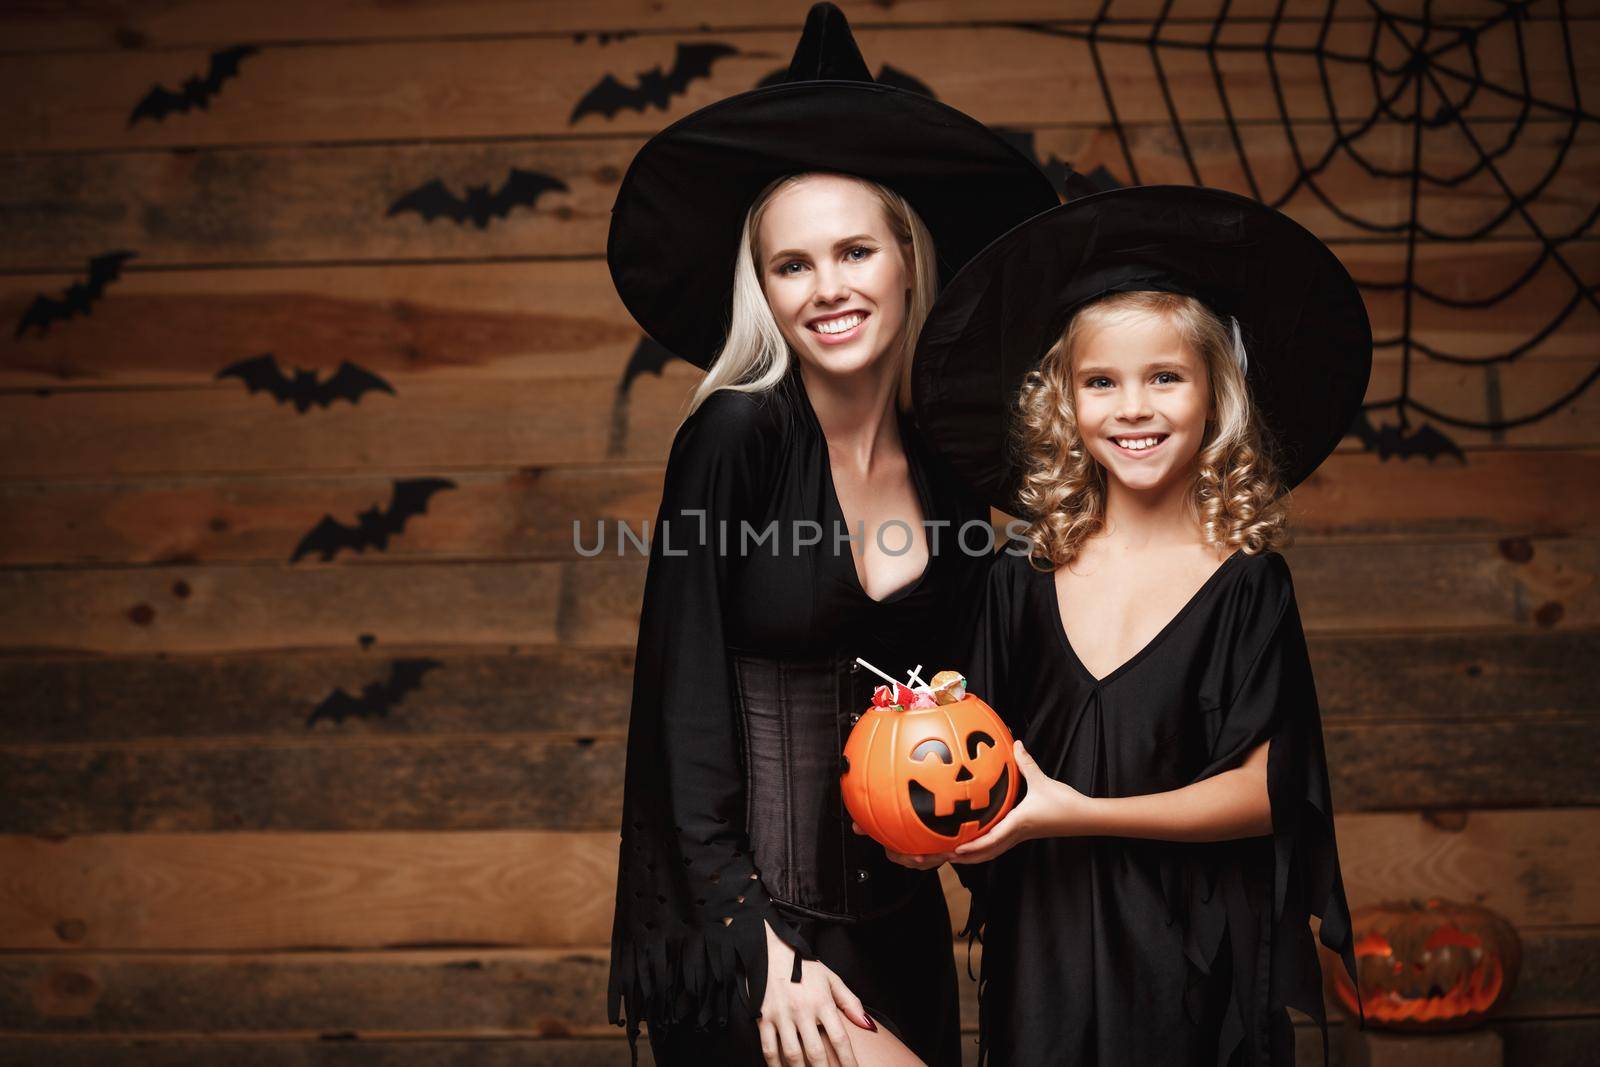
(1227,805)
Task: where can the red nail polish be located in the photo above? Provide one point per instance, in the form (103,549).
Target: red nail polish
(870,1024)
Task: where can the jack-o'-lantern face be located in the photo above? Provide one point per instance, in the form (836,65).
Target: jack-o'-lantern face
(942,781)
(924,780)
(1434,965)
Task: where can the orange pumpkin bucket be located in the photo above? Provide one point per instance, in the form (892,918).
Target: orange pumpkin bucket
(924,779)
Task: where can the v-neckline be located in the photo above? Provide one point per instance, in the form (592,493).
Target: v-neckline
(913,469)
(1148,646)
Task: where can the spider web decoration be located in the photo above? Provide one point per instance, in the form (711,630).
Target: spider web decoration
(1435,89)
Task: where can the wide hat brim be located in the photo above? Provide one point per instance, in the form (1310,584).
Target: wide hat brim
(676,223)
(1306,331)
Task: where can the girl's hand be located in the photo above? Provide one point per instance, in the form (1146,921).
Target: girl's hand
(1051,809)
(916,863)
(795,1016)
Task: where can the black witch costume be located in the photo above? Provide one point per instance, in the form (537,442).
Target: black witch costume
(1106,950)
(744,683)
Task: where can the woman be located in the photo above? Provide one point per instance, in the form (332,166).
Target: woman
(802,525)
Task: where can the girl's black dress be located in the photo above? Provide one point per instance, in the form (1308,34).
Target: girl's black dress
(745,689)
(1110,951)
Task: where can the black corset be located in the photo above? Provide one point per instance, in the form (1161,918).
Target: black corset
(795,717)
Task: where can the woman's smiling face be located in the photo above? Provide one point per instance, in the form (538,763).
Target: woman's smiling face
(833,273)
(1142,399)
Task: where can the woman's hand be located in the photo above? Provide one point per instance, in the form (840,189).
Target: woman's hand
(1051,809)
(795,1016)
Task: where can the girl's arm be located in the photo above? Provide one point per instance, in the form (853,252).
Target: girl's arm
(1230,804)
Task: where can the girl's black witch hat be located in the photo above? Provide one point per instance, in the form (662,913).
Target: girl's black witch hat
(1304,325)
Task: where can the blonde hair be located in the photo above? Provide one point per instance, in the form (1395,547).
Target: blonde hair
(1237,494)
(756,356)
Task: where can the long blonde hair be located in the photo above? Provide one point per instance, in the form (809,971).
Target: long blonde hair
(1237,494)
(756,356)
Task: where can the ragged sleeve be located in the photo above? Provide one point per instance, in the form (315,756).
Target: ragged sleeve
(688,947)
(1262,690)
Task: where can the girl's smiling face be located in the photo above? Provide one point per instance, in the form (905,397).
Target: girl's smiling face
(833,273)
(1142,399)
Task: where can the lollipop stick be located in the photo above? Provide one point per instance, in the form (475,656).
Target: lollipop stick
(916,678)
(876,671)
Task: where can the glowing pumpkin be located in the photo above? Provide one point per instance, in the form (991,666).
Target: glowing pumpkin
(924,780)
(1433,965)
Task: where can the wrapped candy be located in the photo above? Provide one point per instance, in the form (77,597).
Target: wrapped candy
(949,687)
(899,697)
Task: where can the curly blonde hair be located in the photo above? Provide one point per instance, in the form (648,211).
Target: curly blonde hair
(1237,496)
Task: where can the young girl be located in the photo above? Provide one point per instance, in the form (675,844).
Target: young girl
(1147,901)
(751,926)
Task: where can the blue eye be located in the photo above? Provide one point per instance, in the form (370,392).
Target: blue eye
(1167,377)
(863,249)
(1098,382)
(792,263)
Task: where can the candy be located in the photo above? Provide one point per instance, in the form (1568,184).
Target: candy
(949,687)
(883,697)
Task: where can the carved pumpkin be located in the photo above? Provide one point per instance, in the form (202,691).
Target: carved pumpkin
(924,780)
(1434,965)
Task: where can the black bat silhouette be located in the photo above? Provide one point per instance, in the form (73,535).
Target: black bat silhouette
(605,37)
(262,372)
(648,358)
(1391,440)
(197,91)
(1068,183)
(374,526)
(480,205)
(654,88)
(78,299)
(405,675)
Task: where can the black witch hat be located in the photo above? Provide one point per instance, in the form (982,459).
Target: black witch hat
(1305,328)
(676,223)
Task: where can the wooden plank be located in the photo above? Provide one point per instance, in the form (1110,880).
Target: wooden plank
(1434,678)
(555,320)
(1450,585)
(498,781)
(530,513)
(525,514)
(430,427)
(194,23)
(331,203)
(486,783)
(216,609)
(1455,677)
(583,692)
(255,891)
(488,87)
(1358,496)
(234,891)
(545,321)
(504,993)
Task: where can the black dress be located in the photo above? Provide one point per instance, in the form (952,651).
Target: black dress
(745,689)
(1109,951)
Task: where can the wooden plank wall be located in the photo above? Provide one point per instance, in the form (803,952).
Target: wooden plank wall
(197,867)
